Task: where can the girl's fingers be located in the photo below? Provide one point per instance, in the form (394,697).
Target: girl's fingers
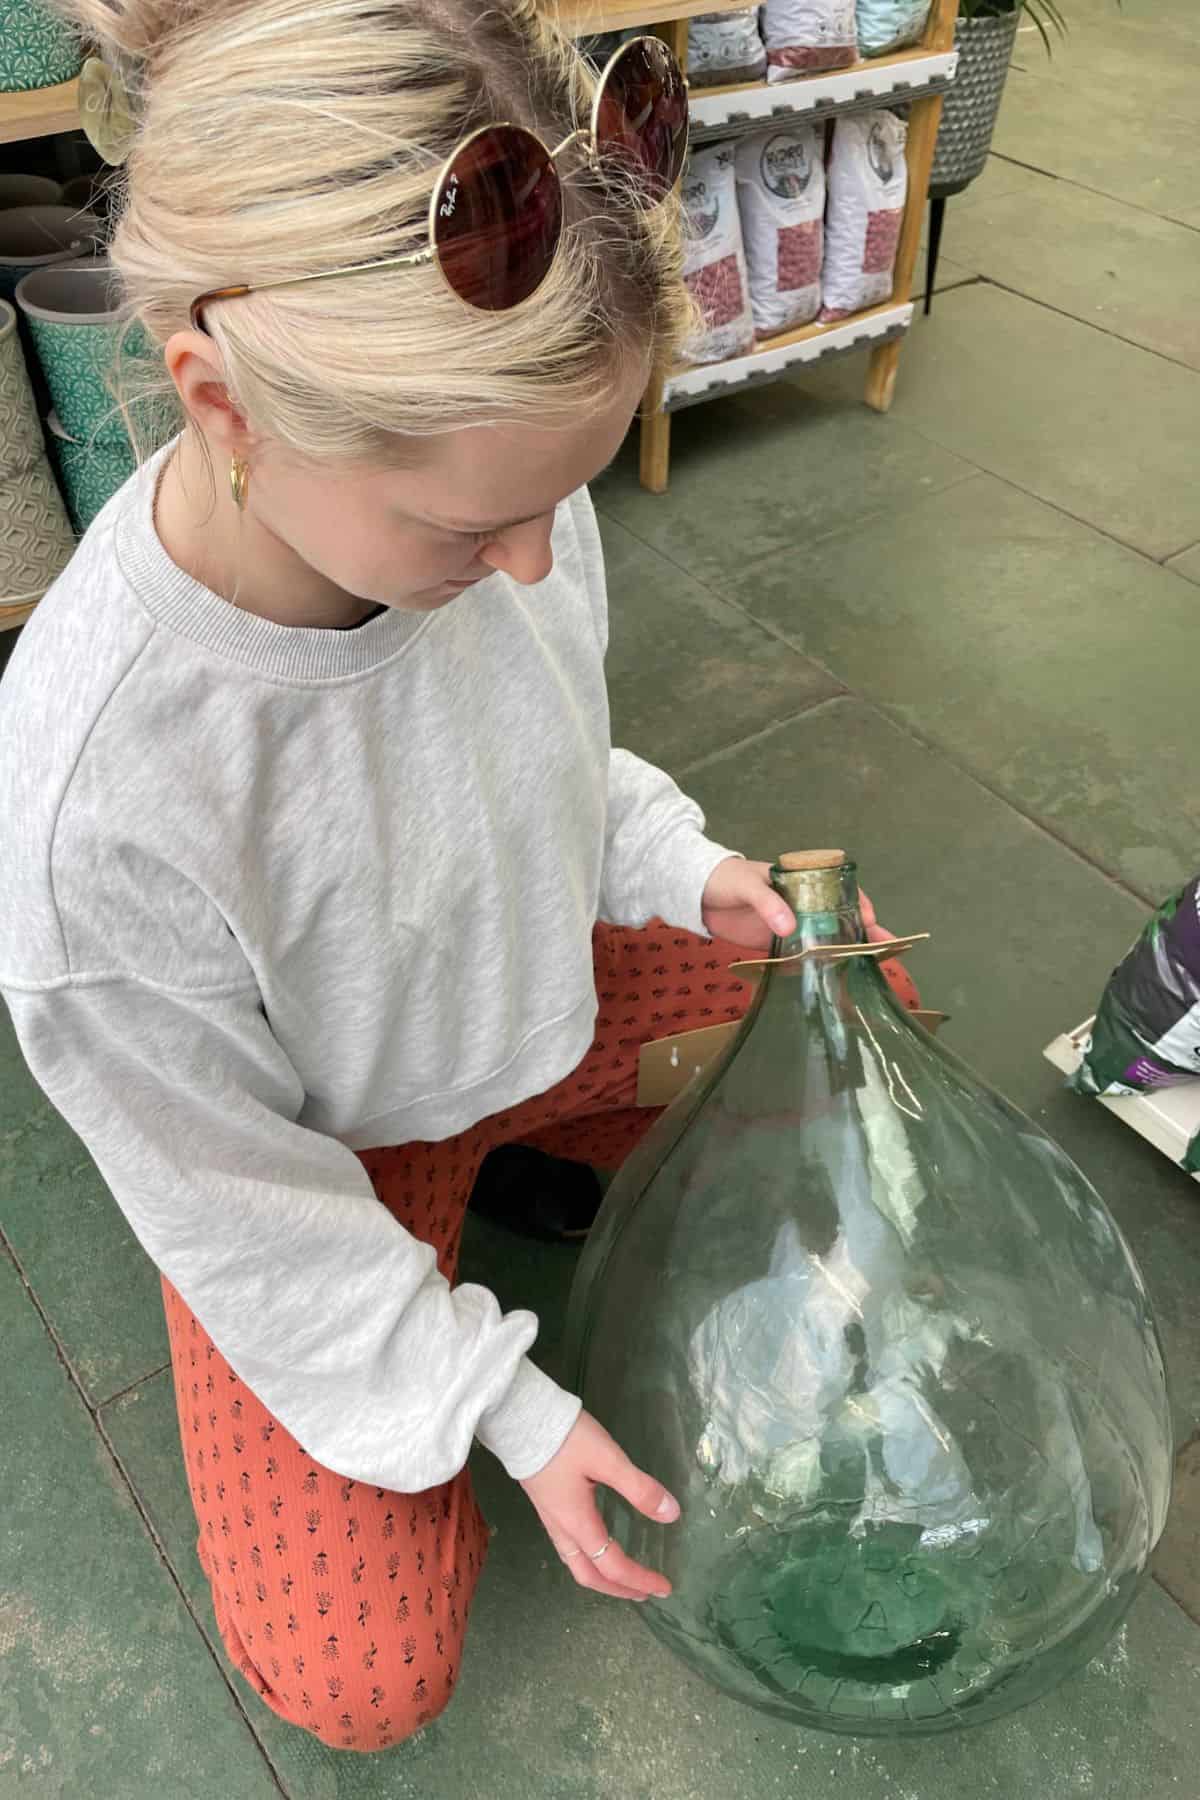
(611,1590)
(633,1484)
(615,1571)
(781,919)
(586,1572)
(756,892)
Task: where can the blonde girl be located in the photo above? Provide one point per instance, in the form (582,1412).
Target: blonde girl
(319,878)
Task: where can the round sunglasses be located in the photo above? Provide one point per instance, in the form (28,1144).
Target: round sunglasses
(495,218)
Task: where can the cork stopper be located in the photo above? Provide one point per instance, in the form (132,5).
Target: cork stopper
(799,860)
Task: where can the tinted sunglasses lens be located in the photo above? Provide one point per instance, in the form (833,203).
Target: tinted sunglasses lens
(497,218)
(642,116)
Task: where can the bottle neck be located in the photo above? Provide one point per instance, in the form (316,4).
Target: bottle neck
(800,1051)
(826,904)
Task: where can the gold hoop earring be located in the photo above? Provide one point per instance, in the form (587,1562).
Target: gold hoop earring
(239,481)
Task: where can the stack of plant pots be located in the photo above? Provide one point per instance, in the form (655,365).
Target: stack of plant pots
(36,540)
(72,314)
(39,237)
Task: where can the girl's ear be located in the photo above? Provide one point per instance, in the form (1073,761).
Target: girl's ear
(194,365)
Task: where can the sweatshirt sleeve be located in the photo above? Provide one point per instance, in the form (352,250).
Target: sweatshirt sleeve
(657,860)
(326,1307)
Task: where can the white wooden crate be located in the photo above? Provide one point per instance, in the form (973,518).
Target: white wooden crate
(1168,1118)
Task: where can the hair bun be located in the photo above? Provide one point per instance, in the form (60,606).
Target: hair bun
(135,28)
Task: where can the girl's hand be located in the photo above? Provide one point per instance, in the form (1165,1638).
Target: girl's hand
(740,905)
(563,1496)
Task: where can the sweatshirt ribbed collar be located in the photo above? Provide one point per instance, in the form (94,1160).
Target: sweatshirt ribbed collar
(185,606)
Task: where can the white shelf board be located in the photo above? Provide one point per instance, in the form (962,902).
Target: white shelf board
(867,84)
(1168,1118)
(706,380)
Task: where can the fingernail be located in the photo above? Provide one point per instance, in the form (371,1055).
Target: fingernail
(667,1508)
(783,921)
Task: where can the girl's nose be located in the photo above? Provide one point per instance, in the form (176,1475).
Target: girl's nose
(523,551)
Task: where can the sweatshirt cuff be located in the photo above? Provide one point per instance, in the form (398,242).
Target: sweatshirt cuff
(530,1424)
(676,887)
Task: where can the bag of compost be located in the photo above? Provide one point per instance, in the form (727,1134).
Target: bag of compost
(1146,1033)
(781,195)
(714,260)
(725,47)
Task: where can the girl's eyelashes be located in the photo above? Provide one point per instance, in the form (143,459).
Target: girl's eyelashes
(460,537)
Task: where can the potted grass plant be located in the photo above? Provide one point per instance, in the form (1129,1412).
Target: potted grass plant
(984,37)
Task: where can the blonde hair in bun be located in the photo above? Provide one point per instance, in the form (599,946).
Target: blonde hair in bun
(278,138)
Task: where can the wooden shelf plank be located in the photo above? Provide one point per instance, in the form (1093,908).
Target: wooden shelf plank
(868,65)
(39,113)
(808,343)
(13,617)
(724,111)
(588,18)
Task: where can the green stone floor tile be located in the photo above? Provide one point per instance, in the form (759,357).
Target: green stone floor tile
(1114,145)
(106,1687)
(1114,108)
(1083,420)
(1177,1559)
(1049,660)
(1144,50)
(97,1286)
(1187,563)
(725,674)
(949,273)
(1001,176)
(1111,265)
(570,1698)
(771,470)
(1024,935)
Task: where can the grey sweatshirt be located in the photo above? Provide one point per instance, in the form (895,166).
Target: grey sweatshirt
(271,895)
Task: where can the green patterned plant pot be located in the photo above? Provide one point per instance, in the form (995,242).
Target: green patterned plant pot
(39,237)
(38,49)
(90,473)
(74,317)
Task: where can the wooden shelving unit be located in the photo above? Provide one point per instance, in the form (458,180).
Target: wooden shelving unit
(41,113)
(918,77)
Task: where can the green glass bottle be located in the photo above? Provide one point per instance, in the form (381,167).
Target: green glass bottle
(891,1352)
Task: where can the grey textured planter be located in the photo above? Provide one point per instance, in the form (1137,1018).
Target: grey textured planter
(971,105)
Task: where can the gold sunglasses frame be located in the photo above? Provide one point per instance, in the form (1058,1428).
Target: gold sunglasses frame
(416,258)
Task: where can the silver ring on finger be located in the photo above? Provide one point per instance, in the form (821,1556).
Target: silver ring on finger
(595,1555)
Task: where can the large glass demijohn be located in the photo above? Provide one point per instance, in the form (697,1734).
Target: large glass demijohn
(891,1352)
